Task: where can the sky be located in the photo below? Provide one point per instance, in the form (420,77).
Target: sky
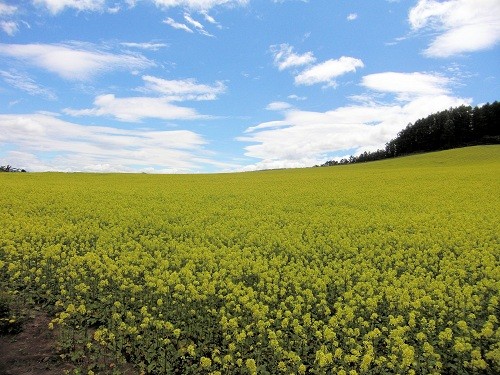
(204,86)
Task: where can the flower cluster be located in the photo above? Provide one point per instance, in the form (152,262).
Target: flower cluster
(368,269)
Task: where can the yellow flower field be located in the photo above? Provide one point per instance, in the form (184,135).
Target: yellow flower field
(391,267)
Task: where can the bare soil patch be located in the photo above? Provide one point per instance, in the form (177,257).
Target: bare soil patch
(33,351)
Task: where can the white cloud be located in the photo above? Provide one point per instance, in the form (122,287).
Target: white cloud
(187,89)
(133,109)
(192,21)
(176,25)
(57,6)
(278,106)
(296,97)
(210,19)
(35,137)
(305,138)
(282,1)
(352,17)
(9,27)
(285,58)
(151,46)
(199,5)
(197,25)
(115,9)
(25,83)
(407,84)
(267,125)
(77,61)
(327,71)
(6,9)
(463,25)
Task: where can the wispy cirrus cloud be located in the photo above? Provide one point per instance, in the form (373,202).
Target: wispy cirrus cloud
(34,139)
(184,89)
(150,46)
(297,97)
(57,6)
(191,24)
(284,1)
(25,83)
(462,25)
(199,5)
(135,109)
(210,19)
(196,24)
(74,61)
(202,7)
(177,25)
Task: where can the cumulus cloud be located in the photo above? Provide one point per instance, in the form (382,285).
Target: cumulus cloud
(305,138)
(6,9)
(34,138)
(25,83)
(9,27)
(77,61)
(134,109)
(186,89)
(352,17)
(327,71)
(285,57)
(462,25)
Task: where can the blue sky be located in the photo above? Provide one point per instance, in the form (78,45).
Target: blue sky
(190,86)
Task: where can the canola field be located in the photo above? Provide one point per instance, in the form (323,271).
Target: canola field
(391,267)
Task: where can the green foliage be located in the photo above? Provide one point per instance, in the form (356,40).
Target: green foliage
(10,316)
(382,268)
(8,168)
(456,127)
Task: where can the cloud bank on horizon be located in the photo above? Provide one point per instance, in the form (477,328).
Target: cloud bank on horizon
(231,85)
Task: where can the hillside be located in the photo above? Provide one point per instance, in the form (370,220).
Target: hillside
(456,127)
(383,267)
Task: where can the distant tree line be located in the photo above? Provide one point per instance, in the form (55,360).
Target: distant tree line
(455,127)
(8,168)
